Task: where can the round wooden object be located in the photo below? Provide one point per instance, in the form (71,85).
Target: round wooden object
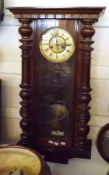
(103,142)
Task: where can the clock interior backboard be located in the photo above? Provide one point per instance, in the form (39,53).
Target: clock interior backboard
(55,91)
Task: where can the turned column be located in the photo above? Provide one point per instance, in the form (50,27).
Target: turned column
(26,87)
(84,96)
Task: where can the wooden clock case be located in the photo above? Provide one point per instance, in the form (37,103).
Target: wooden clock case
(39,76)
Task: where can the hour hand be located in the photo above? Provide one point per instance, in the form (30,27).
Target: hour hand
(56,42)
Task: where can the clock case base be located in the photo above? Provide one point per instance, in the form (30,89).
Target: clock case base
(80,146)
(64,156)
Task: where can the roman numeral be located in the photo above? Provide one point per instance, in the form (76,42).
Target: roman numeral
(47,49)
(55,33)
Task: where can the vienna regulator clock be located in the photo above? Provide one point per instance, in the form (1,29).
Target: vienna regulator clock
(55,88)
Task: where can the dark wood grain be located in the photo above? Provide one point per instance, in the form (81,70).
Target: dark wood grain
(83,96)
(26,93)
(60,86)
(59,13)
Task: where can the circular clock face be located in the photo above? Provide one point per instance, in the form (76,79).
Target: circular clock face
(56,45)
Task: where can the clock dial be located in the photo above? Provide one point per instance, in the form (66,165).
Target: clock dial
(56,45)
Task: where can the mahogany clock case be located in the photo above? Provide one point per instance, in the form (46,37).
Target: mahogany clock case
(55,96)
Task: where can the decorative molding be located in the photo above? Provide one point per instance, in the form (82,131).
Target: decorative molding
(57,13)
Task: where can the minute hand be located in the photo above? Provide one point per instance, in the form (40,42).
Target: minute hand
(63,44)
(68,44)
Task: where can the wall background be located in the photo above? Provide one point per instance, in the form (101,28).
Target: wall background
(10,73)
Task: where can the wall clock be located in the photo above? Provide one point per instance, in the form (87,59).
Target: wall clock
(55,88)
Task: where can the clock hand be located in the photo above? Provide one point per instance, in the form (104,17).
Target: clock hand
(63,44)
(56,43)
(55,40)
